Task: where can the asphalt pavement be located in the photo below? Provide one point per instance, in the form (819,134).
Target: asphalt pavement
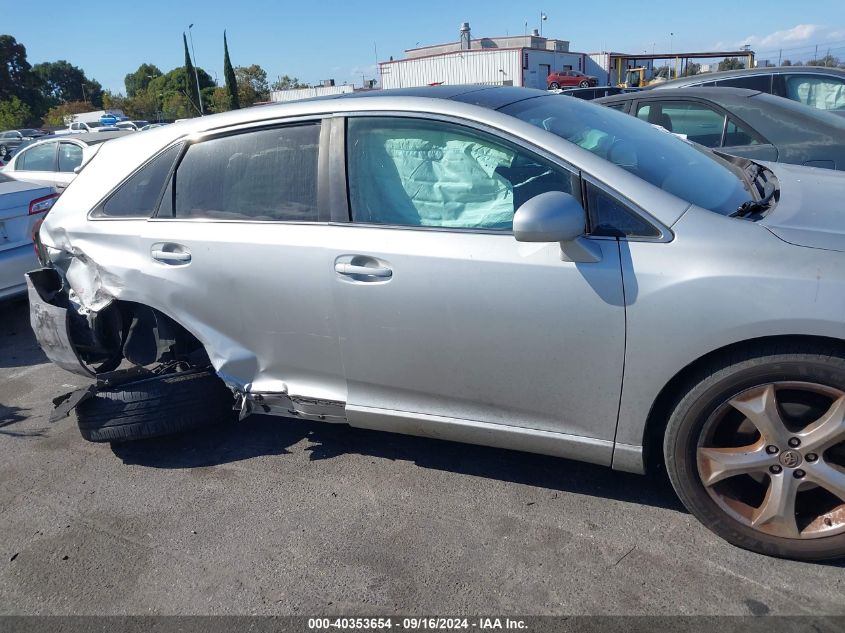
(277,516)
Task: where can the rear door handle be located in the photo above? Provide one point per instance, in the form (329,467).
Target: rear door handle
(369,271)
(170,256)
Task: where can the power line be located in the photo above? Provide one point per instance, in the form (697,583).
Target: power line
(809,46)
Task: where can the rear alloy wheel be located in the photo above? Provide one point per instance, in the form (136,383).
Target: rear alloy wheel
(584,84)
(757,452)
(554,86)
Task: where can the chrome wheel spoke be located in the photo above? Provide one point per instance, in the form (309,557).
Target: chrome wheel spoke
(776,514)
(716,464)
(828,477)
(828,430)
(760,407)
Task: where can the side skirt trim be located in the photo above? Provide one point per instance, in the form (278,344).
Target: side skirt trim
(575,447)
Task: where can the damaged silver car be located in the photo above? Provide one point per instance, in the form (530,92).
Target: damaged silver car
(488,265)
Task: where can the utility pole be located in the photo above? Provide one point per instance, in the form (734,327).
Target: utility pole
(780,53)
(196,73)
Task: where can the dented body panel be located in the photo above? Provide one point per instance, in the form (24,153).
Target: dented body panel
(474,337)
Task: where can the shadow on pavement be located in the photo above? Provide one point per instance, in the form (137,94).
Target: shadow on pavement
(265,435)
(17,341)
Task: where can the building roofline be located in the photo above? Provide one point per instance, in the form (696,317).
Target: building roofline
(682,55)
(480,50)
(478,39)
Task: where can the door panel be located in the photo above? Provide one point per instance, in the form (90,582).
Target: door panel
(236,256)
(481,327)
(258,293)
(445,315)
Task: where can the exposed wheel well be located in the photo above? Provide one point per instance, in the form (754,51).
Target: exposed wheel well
(140,334)
(675,389)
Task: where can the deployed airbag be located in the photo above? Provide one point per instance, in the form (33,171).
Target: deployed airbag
(434,178)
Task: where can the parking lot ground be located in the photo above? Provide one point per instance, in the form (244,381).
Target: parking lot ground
(289,517)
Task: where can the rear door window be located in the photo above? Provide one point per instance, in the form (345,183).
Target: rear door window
(38,158)
(695,121)
(736,134)
(264,175)
(70,157)
(763,83)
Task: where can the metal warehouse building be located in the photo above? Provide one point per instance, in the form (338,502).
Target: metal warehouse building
(521,60)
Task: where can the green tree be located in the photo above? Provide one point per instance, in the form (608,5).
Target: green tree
(14,113)
(175,82)
(731,63)
(144,105)
(252,84)
(828,60)
(192,91)
(221,100)
(691,69)
(177,106)
(16,76)
(139,80)
(287,83)
(62,114)
(61,81)
(112,101)
(234,101)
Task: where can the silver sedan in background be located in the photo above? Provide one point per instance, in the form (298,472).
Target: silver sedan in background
(488,265)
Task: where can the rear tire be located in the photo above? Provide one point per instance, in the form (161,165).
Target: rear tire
(156,406)
(554,86)
(723,412)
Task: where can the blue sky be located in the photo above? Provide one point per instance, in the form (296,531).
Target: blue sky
(335,39)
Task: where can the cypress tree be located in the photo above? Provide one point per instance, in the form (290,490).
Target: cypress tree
(229,75)
(190,78)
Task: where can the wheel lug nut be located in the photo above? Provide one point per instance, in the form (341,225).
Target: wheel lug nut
(811,457)
(794,442)
(798,474)
(771,449)
(775,469)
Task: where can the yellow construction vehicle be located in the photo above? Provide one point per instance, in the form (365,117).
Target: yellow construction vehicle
(635,78)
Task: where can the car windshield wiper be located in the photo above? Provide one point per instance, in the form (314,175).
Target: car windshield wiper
(751,207)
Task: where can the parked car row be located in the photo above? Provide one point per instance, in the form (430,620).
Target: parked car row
(818,87)
(11,140)
(54,161)
(742,122)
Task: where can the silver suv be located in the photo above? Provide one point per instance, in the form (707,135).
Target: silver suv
(488,265)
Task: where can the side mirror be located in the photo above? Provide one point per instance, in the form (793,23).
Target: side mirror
(555,216)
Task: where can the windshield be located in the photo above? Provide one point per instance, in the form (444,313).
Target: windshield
(29,132)
(658,157)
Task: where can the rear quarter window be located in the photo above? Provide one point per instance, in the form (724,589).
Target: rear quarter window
(138,196)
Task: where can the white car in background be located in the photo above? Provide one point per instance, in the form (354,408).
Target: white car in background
(22,207)
(54,161)
(132,126)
